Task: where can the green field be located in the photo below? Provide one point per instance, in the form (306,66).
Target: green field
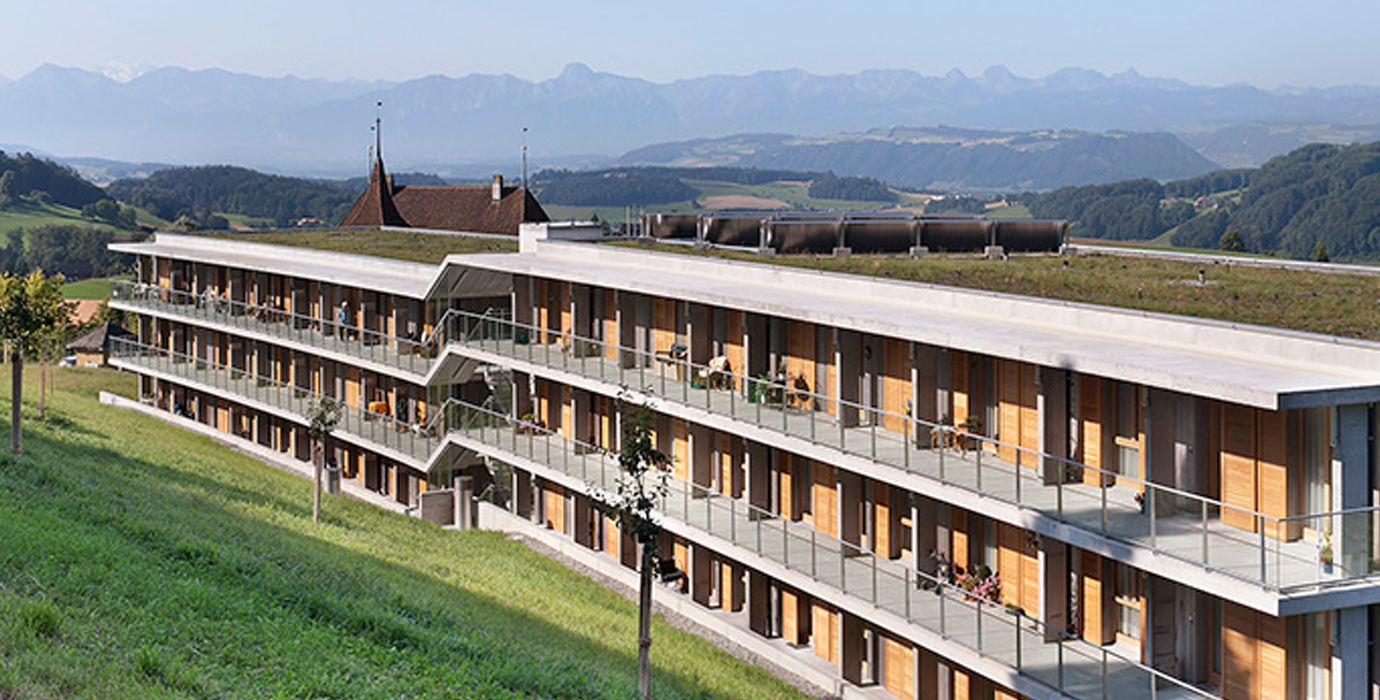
(29,215)
(794,195)
(142,561)
(95,288)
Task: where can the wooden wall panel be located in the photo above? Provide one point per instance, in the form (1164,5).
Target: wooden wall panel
(959,386)
(963,685)
(1090,417)
(793,621)
(663,324)
(824,499)
(1278,488)
(1030,416)
(680,449)
(958,525)
(1008,408)
(563,301)
(567,398)
(1273,663)
(900,668)
(800,353)
(737,362)
(895,383)
(881,519)
(1238,465)
(611,537)
(730,484)
(1096,594)
(824,631)
(788,508)
(610,323)
(555,507)
(1009,545)
(1239,652)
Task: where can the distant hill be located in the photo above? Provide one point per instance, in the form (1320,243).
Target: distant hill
(225,189)
(1320,193)
(653,186)
(948,159)
(24,175)
(314,126)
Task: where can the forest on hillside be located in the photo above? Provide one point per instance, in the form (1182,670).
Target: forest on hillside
(26,176)
(196,191)
(1320,200)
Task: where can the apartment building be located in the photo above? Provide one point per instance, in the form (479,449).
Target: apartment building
(931,492)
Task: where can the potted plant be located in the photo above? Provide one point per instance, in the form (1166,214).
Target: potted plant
(1140,501)
(1325,552)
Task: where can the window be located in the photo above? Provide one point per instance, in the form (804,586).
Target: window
(1316,462)
(1128,430)
(1128,603)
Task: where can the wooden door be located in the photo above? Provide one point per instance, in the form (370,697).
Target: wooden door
(1238,466)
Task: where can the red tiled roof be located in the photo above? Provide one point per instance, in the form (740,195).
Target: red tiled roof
(449,208)
(98,338)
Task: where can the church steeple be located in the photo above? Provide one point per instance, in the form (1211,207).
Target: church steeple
(380,186)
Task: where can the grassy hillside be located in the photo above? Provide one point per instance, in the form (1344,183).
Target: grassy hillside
(30,215)
(141,561)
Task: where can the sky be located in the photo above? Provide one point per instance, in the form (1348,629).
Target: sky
(1267,43)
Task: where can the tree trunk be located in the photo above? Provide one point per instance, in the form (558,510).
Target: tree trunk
(316,497)
(16,399)
(644,627)
(42,390)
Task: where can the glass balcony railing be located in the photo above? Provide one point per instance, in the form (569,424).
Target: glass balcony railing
(1050,656)
(1262,549)
(321,332)
(374,429)
(1278,553)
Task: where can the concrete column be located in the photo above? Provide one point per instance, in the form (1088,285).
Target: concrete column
(1351,487)
(1350,653)
(464,502)
(1052,408)
(848,377)
(1054,582)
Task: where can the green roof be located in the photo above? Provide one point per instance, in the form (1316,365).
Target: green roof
(413,246)
(1331,303)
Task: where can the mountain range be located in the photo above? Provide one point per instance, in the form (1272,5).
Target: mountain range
(448,124)
(947,158)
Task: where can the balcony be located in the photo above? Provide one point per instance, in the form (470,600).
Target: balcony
(322,333)
(379,432)
(1065,663)
(1182,525)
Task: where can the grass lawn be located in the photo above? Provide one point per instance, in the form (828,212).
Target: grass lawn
(94,288)
(29,215)
(1333,304)
(402,245)
(141,561)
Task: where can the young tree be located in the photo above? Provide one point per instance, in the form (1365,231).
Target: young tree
(324,414)
(1320,252)
(30,307)
(641,484)
(1232,242)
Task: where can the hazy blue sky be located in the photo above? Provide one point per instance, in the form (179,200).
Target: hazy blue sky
(1264,42)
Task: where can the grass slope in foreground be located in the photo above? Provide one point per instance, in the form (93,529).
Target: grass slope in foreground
(139,560)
